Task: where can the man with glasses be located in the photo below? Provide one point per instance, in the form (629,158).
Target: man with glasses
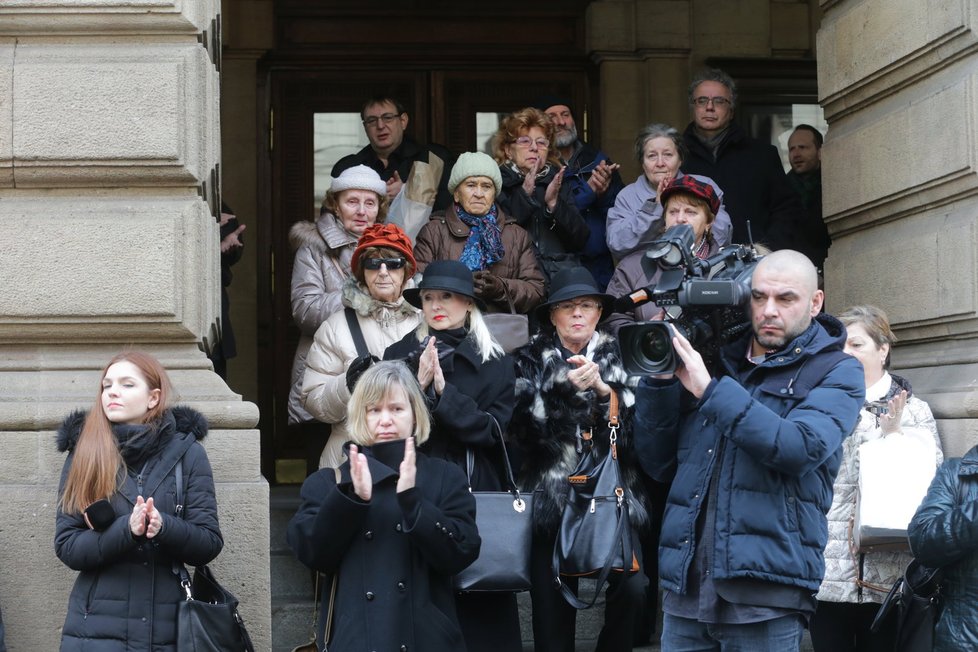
(594,182)
(393,154)
(748,171)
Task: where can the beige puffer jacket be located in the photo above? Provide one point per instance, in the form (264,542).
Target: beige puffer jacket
(323,250)
(842,567)
(324,392)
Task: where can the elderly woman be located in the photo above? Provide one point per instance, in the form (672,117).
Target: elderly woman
(564,380)
(469,384)
(323,248)
(687,200)
(374,307)
(635,219)
(855,584)
(477,232)
(532,192)
(391,525)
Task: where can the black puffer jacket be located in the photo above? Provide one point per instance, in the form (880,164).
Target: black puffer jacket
(125,598)
(550,410)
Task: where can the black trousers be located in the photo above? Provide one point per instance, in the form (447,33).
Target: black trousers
(554,620)
(490,622)
(844,627)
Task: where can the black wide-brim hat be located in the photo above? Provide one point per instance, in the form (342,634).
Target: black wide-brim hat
(448,275)
(572,283)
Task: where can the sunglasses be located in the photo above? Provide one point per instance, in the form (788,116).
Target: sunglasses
(375,263)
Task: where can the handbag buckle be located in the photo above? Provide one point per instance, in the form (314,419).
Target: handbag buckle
(519,505)
(620,493)
(592,506)
(186,587)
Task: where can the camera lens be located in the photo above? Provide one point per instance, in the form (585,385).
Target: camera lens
(656,346)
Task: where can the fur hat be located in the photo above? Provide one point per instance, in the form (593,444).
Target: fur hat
(389,236)
(475,164)
(687,184)
(448,275)
(359,177)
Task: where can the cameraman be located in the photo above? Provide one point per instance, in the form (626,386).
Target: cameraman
(751,456)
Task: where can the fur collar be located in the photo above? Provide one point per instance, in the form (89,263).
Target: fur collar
(355,296)
(186,419)
(325,235)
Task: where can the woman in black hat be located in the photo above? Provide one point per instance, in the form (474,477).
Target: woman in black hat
(468,381)
(564,380)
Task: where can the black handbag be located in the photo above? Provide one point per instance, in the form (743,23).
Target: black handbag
(505,523)
(914,604)
(208,619)
(595,536)
(510,329)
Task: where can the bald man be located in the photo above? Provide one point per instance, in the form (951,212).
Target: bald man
(751,455)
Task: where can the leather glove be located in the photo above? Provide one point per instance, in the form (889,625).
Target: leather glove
(357,367)
(488,286)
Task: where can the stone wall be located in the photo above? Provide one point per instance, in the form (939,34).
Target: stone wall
(109,152)
(898,82)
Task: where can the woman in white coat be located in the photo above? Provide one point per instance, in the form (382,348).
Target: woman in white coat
(855,583)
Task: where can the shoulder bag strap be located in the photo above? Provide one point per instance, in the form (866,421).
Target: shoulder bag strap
(354,324)
(178,568)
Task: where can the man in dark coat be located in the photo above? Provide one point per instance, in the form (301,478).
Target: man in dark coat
(594,182)
(752,456)
(805,178)
(392,153)
(748,171)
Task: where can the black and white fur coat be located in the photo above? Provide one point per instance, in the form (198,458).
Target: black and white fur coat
(549,414)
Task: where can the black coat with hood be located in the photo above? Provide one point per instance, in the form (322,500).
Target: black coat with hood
(126,595)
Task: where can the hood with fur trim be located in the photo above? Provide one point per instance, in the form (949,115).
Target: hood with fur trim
(324,235)
(186,419)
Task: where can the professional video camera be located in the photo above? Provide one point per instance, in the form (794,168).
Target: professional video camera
(703,299)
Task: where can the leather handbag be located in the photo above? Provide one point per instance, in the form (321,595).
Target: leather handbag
(510,329)
(913,603)
(504,519)
(208,619)
(595,536)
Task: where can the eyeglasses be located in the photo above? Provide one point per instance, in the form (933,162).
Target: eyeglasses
(526,141)
(387,118)
(718,102)
(587,305)
(375,263)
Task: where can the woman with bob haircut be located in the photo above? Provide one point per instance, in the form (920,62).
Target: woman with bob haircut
(532,192)
(635,220)
(390,524)
(118,523)
(469,384)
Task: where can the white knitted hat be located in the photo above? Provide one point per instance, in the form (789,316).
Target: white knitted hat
(475,164)
(359,177)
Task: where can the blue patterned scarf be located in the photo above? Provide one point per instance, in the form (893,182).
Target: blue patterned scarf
(485,245)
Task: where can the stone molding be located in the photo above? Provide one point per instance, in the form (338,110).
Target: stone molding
(70,273)
(87,17)
(111,114)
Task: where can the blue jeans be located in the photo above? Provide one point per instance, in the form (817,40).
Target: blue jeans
(686,635)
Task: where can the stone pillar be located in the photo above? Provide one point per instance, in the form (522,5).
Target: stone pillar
(109,168)
(898,82)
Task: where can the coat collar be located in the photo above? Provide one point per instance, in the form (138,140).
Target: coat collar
(969,463)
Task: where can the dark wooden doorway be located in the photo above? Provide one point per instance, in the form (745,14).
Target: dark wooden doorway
(329,58)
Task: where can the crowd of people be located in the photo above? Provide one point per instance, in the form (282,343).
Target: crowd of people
(738,472)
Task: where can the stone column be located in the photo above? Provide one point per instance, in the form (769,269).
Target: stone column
(898,82)
(109,168)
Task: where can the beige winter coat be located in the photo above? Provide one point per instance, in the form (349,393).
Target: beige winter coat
(878,568)
(324,392)
(323,250)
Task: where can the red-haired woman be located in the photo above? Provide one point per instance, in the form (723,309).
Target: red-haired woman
(532,194)
(118,523)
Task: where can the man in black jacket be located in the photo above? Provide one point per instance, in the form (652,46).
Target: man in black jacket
(393,154)
(749,172)
(594,182)
(805,178)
